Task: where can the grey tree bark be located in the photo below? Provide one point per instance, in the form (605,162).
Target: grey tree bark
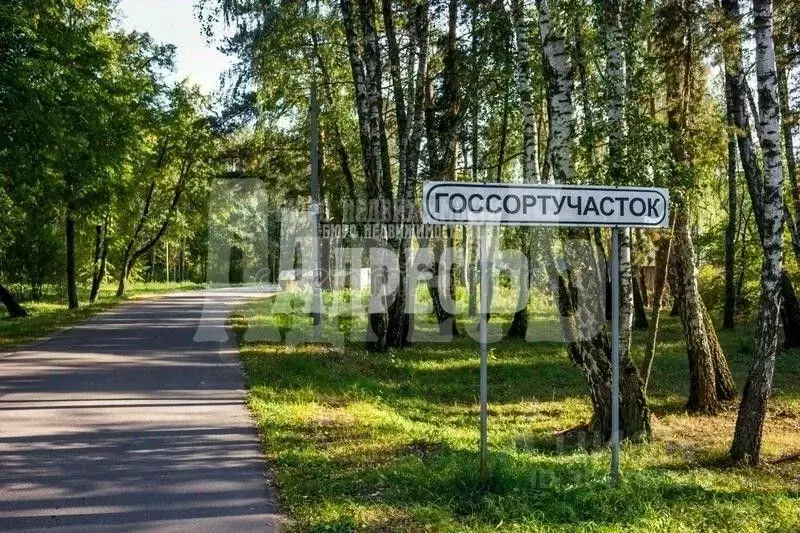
(400,321)
(100,256)
(787,127)
(729,314)
(72,284)
(365,66)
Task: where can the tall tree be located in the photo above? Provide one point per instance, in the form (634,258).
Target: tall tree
(616,93)
(738,90)
(710,378)
(746,444)
(184,138)
(408,102)
(731,226)
(581,288)
(530,155)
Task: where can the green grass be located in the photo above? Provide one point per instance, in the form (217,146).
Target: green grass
(358,441)
(52,314)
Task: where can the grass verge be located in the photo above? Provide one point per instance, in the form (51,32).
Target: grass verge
(358,441)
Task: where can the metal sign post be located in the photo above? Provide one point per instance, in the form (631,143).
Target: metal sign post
(486,276)
(615,356)
(447,202)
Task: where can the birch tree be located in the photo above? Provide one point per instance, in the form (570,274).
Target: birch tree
(365,64)
(581,288)
(615,83)
(530,152)
(408,103)
(737,89)
(746,444)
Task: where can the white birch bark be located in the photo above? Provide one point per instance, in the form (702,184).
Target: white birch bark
(522,53)
(579,291)
(361,92)
(615,96)
(372,63)
(417,103)
(615,79)
(625,293)
(560,83)
(752,411)
(530,156)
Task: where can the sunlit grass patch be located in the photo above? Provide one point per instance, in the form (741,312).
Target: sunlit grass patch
(362,441)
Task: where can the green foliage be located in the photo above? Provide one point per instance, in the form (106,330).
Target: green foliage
(83,110)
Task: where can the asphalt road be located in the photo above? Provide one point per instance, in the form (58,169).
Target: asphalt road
(126,423)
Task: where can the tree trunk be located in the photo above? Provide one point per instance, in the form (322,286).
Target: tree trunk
(702,347)
(615,111)
(643,288)
(662,265)
(735,79)
(72,284)
(100,255)
(561,112)
(729,315)
(441,124)
(14,309)
(790,313)
(639,312)
(400,321)
(472,276)
(369,122)
(787,123)
(519,323)
(367,77)
(362,103)
(101,275)
(123,277)
(530,157)
(746,444)
(702,377)
(601,254)
(626,304)
(589,348)
(182,264)
(726,387)
(500,168)
(98,247)
(409,126)
(580,289)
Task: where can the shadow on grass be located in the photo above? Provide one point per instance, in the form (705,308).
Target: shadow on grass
(572,491)
(409,459)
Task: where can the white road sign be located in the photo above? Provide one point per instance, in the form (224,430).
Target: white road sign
(447,202)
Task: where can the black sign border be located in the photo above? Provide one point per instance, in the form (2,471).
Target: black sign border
(543,187)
